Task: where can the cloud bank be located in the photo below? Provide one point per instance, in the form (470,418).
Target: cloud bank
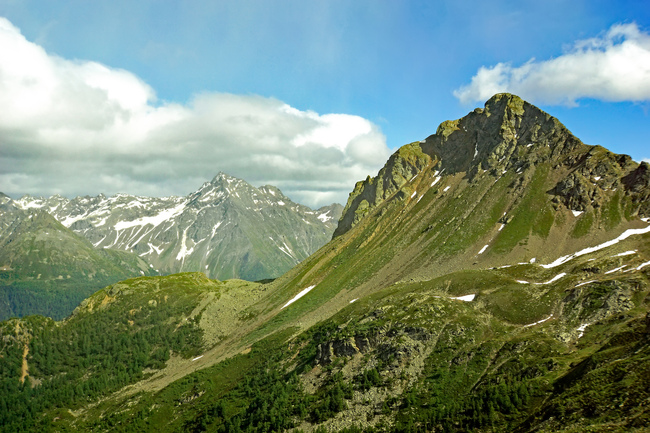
(612,67)
(75,127)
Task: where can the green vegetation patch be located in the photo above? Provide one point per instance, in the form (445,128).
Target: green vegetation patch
(516,303)
(117,334)
(583,225)
(531,213)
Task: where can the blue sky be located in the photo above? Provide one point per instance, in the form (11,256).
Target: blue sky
(332,86)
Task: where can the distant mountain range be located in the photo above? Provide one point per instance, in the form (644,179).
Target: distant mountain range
(226,229)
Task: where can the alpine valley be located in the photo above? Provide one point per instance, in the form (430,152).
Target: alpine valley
(491,278)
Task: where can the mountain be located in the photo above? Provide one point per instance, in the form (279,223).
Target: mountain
(494,277)
(226,229)
(45,268)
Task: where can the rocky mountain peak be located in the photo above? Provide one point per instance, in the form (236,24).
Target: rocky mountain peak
(508,137)
(507,133)
(224,179)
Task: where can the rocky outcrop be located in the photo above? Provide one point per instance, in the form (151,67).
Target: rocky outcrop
(637,184)
(390,345)
(402,166)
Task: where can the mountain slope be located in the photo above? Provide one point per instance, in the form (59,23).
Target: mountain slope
(45,268)
(226,229)
(425,313)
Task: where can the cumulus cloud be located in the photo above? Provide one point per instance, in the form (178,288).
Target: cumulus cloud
(612,67)
(80,127)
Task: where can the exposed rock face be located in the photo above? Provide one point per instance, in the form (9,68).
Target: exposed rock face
(637,184)
(331,349)
(392,344)
(401,167)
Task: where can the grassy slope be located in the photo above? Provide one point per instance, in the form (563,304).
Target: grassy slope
(455,364)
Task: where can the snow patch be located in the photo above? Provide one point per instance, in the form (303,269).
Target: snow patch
(576,213)
(184,251)
(626,253)
(413,195)
(466,298)
(27,205)
(483,249)
(522,282)
(298,296)
(214,229)
(642,265)
(446,188)
(101,222)
(582,328)
(436,180)
(324,217)
(68,221)
(355,299)
(626,234)
(153,220)
(554,279)
(198,357)
(285,251)
(615,270)
(538,322)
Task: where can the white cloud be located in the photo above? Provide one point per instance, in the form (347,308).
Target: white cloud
(80,127)
(612,67)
